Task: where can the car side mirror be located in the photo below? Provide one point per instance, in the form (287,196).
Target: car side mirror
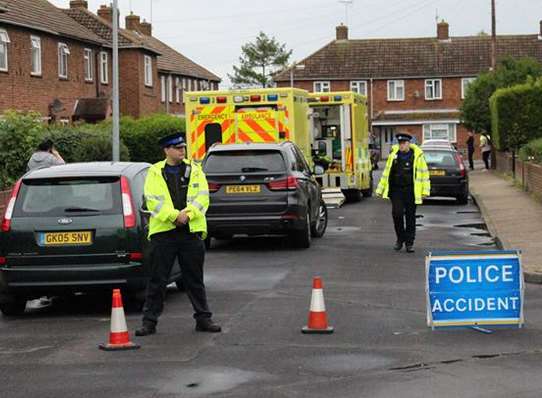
(319,170)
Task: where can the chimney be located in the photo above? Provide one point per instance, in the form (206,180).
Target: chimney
(133,22)
(146,28)
(443,31)
(106,13)
(79,4)
(342,32)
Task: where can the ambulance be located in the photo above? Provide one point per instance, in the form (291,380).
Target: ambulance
(270,115)
(341,141)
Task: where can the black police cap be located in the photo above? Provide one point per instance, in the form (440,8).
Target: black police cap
(403,137)
(172,140)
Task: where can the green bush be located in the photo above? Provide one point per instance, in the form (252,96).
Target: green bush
(516,115)
(97,148)
(20,134)
(141,136)
(532,151)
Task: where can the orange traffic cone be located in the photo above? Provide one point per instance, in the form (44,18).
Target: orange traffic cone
(119,338)
(317,314)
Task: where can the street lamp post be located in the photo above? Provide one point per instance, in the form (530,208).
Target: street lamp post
(115,94)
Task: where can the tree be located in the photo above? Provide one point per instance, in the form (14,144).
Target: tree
(475,111)
(258,61)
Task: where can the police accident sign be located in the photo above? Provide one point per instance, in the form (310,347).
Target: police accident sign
(474,288)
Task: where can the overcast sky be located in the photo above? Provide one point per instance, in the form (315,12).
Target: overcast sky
(211,32)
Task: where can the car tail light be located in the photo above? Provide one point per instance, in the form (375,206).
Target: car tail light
(462,169)
(289,216)
(136,256)
(3,261)
(127,204)
(213,187)
(6,221)
(285,184)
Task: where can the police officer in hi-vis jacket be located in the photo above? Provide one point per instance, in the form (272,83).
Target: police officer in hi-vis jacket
(406,182)
(177,196)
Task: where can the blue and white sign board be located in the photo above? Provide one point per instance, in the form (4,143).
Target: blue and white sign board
(476,288)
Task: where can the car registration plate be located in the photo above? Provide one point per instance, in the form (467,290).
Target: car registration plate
(437,172)
(242,189)
(75,238)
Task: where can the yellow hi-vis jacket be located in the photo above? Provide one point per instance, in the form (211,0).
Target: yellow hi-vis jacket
(422,185)
(159,203)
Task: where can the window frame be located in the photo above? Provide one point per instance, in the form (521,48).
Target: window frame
(35,39)
(162,89)
(4,41)
(178,89)
(463,88)
(63,53)
(148,70)
(170,88)
(322,84)
(450,127)
(88,64)
(104,73)
(358,83)
(396,87)
(430,84)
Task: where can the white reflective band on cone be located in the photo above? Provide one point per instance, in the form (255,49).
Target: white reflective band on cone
(317,301)
(118,321)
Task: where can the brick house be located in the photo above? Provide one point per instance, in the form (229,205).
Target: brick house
(412,85)
(46,64)
(61,65)
(161,73)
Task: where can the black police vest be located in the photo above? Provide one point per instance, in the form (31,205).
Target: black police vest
(402,172)
(178,189)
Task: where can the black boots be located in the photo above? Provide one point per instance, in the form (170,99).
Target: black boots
(146,330)
(398,246)
(207,325)
(410,248)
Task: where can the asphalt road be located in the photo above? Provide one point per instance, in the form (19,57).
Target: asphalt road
(260,291)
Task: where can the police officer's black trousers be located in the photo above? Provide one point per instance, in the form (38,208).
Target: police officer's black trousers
(404,213)
(190,250)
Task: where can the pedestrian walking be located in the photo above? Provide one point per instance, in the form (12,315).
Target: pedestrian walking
(177,195)
(405,181)
(485,148)
(45,156)
(470,149)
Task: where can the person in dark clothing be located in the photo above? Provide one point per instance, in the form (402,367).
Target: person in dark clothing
(177,195)
(405,182)
(470,149)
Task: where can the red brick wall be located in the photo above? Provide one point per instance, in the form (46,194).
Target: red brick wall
(528,175)
(22,91)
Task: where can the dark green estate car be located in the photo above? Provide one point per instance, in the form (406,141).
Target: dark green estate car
(74,228)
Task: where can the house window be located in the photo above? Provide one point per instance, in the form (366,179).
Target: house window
(396,90)
(35,44)
(322,87)
(359,87)
(148,71)
(63,52)
(104,68)
(184,84)
(195,85)
(440,132)
(178,90)
(163,88)
(89,70)
(170,88)
(4,41)
(465,82)
(433,89)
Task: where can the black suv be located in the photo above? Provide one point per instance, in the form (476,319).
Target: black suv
(263,189)
(74,228)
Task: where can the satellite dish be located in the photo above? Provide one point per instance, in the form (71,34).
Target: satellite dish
(57,106)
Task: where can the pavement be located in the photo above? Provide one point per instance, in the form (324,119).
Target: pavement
(259,290)
(512,216)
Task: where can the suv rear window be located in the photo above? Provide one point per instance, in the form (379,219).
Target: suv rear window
(60,197)
(245,162)
(440,158)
